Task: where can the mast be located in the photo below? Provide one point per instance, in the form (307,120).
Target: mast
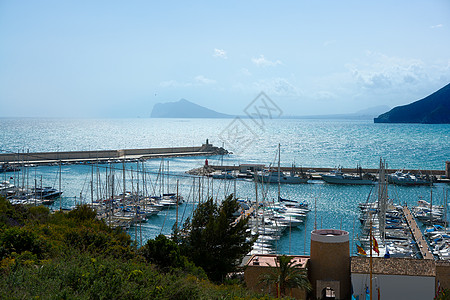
(431,206)
(257,206)
(279,171)
(123,181)
(168,176)
(92,185)
(60,205)
(370,258)
(176,220)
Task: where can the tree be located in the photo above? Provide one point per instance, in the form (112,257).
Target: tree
(214,240)
(285,275)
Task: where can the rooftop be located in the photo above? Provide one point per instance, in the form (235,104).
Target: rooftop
(268,260)
(397,266)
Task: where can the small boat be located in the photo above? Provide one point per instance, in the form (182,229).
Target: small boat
(338,177)
(45,192)
(278,176)
(223,175)
(271,176)
(7,168)
(6,187)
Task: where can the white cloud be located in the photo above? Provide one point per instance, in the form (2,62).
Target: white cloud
(245,72)
(197,81)
(277,87)
(203,80)
(174,83)
(264,62)
(437,26)
(380,72)
(220,53)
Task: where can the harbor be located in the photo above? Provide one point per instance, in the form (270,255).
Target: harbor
(89,179)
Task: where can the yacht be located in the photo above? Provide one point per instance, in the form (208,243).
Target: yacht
(338,177)
(409,179)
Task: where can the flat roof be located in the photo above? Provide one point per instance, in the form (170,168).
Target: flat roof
(268,260)
(394,266)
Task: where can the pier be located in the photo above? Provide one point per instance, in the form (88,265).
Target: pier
(417,234)
(315,171)
(93,156)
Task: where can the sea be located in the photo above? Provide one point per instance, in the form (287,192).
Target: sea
(308,144)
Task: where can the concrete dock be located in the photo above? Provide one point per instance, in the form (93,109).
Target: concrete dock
(316,171)
(39,158)
(417,234)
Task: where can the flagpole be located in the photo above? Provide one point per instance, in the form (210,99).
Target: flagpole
(370,258)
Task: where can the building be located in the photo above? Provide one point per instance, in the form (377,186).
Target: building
(334,274)
(394,278)
(260,264)
(330,264)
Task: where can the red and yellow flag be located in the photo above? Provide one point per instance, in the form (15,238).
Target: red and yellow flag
(360,250)
(375,246)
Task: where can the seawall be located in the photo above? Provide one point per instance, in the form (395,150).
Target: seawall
(101,155)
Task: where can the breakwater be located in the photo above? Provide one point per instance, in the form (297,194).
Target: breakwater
(105,155)
(318,170)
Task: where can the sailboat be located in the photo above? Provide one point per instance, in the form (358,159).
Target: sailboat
(278,176)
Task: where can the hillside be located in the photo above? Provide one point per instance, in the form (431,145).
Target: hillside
(73,255)
(433,109)
(184,109)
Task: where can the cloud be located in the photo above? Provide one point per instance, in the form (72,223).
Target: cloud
(197,81)
(381,72)
(245,72)
(436,26)
(174,83)
(276,87)
(203,80)
(220,53)
(263,62)
(328,43)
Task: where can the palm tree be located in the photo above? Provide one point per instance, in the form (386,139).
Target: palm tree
(285,275)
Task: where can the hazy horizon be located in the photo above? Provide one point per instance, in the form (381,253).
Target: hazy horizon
(116,59)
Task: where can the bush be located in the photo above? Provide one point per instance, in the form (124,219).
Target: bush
(17,239)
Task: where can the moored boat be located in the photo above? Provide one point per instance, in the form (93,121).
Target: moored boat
(339,177)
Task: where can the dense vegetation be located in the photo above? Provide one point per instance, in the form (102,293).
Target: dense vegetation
(213,240)
(74,256)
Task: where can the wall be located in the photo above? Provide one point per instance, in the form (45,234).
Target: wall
(44,156)
(443,274)
(395,286)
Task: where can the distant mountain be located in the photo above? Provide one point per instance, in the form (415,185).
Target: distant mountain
(365,114)
(433,109)
(184,109)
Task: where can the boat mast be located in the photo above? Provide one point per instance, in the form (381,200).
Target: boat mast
(92,186)
(60,205)
(123,180)
(370,258)
(279,171)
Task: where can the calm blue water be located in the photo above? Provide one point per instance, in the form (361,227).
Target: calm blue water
(309,143)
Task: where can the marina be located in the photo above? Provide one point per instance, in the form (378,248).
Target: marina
(331,205)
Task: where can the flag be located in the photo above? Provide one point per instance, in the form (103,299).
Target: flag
(387,254)
(360,250)
(367,293)
(375,246)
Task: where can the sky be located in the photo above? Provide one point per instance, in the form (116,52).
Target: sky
(118,58)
